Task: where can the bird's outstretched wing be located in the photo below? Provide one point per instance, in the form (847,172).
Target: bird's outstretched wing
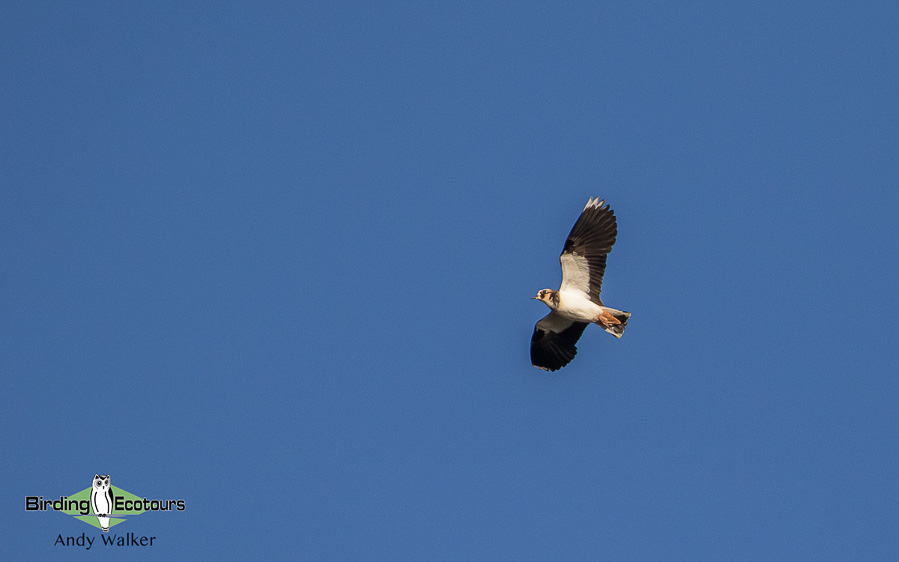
(584,255)
(553,343)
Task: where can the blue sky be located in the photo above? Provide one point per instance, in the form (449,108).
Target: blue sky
(276,261)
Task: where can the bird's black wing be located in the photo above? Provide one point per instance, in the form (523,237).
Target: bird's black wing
(553,343)
(583,258)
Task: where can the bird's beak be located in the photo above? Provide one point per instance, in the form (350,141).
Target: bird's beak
(532,298)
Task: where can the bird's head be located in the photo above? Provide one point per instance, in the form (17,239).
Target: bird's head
(548,297)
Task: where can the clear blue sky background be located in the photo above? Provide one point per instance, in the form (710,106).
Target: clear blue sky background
(276,261)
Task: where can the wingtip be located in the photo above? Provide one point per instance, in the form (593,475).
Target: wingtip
(594,202)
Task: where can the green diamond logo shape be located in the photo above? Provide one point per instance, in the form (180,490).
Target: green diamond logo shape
(118,516)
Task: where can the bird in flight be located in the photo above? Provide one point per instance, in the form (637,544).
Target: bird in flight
(577,301)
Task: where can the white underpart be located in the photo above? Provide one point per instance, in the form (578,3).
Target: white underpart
(576,305)
(575,273)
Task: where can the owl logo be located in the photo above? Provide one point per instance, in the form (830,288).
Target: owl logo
(102,500)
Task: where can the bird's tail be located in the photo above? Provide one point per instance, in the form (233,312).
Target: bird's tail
(613,321)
